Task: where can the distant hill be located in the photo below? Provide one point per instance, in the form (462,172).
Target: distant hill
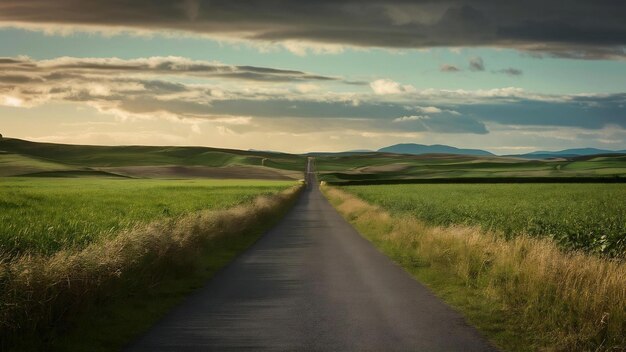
(568,153)
(375,168)
(417,149)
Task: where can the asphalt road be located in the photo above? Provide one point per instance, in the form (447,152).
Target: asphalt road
(312,283)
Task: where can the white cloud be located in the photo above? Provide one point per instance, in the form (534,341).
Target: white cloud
(8,100)
(307,88)
(411,118)
(448,68)
(387,86)
(436,110)
(233,120)
(224,131)
(303,48)
(429,109)
(195,128)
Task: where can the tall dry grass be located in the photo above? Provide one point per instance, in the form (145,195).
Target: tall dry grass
(39,292)
(561,301)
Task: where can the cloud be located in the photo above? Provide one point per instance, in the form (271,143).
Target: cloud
(8,100)
(429,109)
(511,71)
(303,48)
(435,110)
(442,124)
(370,126)
(191,8)
(585,112)
(172,65)
(142,137)
(476,64)
(448,68)
(580,29)
(185,91)
(116,85)
(411,118)
(387,86)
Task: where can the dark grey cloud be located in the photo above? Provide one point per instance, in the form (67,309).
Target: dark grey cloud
(449,68)
(476,64)
(163,86)
(592,112)
(7,60)
(308,115)
(443,124)
(511,71)
(65,67)
(17,79)
(587,29)
(585,112)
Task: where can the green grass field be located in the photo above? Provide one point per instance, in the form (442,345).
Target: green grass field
(578,216)
(43,215)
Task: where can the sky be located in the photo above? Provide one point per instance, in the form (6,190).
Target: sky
(297,76)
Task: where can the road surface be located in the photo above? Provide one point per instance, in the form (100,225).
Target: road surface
(312,283)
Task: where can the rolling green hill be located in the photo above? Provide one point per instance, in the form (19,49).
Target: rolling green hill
(380,167)
(20,157)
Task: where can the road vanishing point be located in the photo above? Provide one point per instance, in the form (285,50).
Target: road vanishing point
(312,283)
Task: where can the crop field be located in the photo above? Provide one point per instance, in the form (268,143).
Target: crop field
(590,217)
(43,215)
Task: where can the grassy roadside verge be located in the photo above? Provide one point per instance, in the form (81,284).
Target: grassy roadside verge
(525,294)
(99,297)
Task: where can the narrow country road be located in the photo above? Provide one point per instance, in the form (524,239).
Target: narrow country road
(312,283)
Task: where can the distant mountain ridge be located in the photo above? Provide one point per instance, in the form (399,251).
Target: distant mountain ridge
(574,152)
(417,149)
